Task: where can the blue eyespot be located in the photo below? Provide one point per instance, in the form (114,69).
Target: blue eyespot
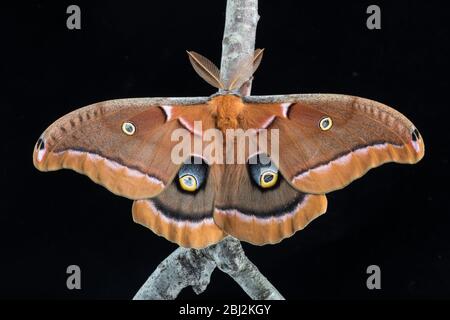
(263,171)
(192,174)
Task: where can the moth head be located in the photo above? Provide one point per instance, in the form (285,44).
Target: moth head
(263,171)
(192,174)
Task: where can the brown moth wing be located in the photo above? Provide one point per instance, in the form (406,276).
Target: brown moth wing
(262,216)
(364,134)
(195,118)
(260,116)
(91,141)
(182,217)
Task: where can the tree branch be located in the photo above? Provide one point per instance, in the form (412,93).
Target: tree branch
(230,258)
(191,267)
(183,268)
(239,36)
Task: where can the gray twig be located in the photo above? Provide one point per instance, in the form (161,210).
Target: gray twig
(230,258)
(190,267)
(183,268)
(239,36)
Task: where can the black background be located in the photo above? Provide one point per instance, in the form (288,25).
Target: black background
(396,217)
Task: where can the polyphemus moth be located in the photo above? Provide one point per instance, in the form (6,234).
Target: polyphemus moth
(325,142)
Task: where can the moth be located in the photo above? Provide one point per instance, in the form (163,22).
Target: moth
(326,141)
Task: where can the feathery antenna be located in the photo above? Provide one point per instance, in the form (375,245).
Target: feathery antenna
(211,74)
(205,69)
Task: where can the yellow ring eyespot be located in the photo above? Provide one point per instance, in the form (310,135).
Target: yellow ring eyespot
(188,183)
(268,179)
(325,123)
(128,128)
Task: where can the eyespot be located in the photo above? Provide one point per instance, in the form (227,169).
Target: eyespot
(188,183)
(325,123)
(263,172)
(268,179)
(415,135)
(128,128)
(40,144)
(192,174)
